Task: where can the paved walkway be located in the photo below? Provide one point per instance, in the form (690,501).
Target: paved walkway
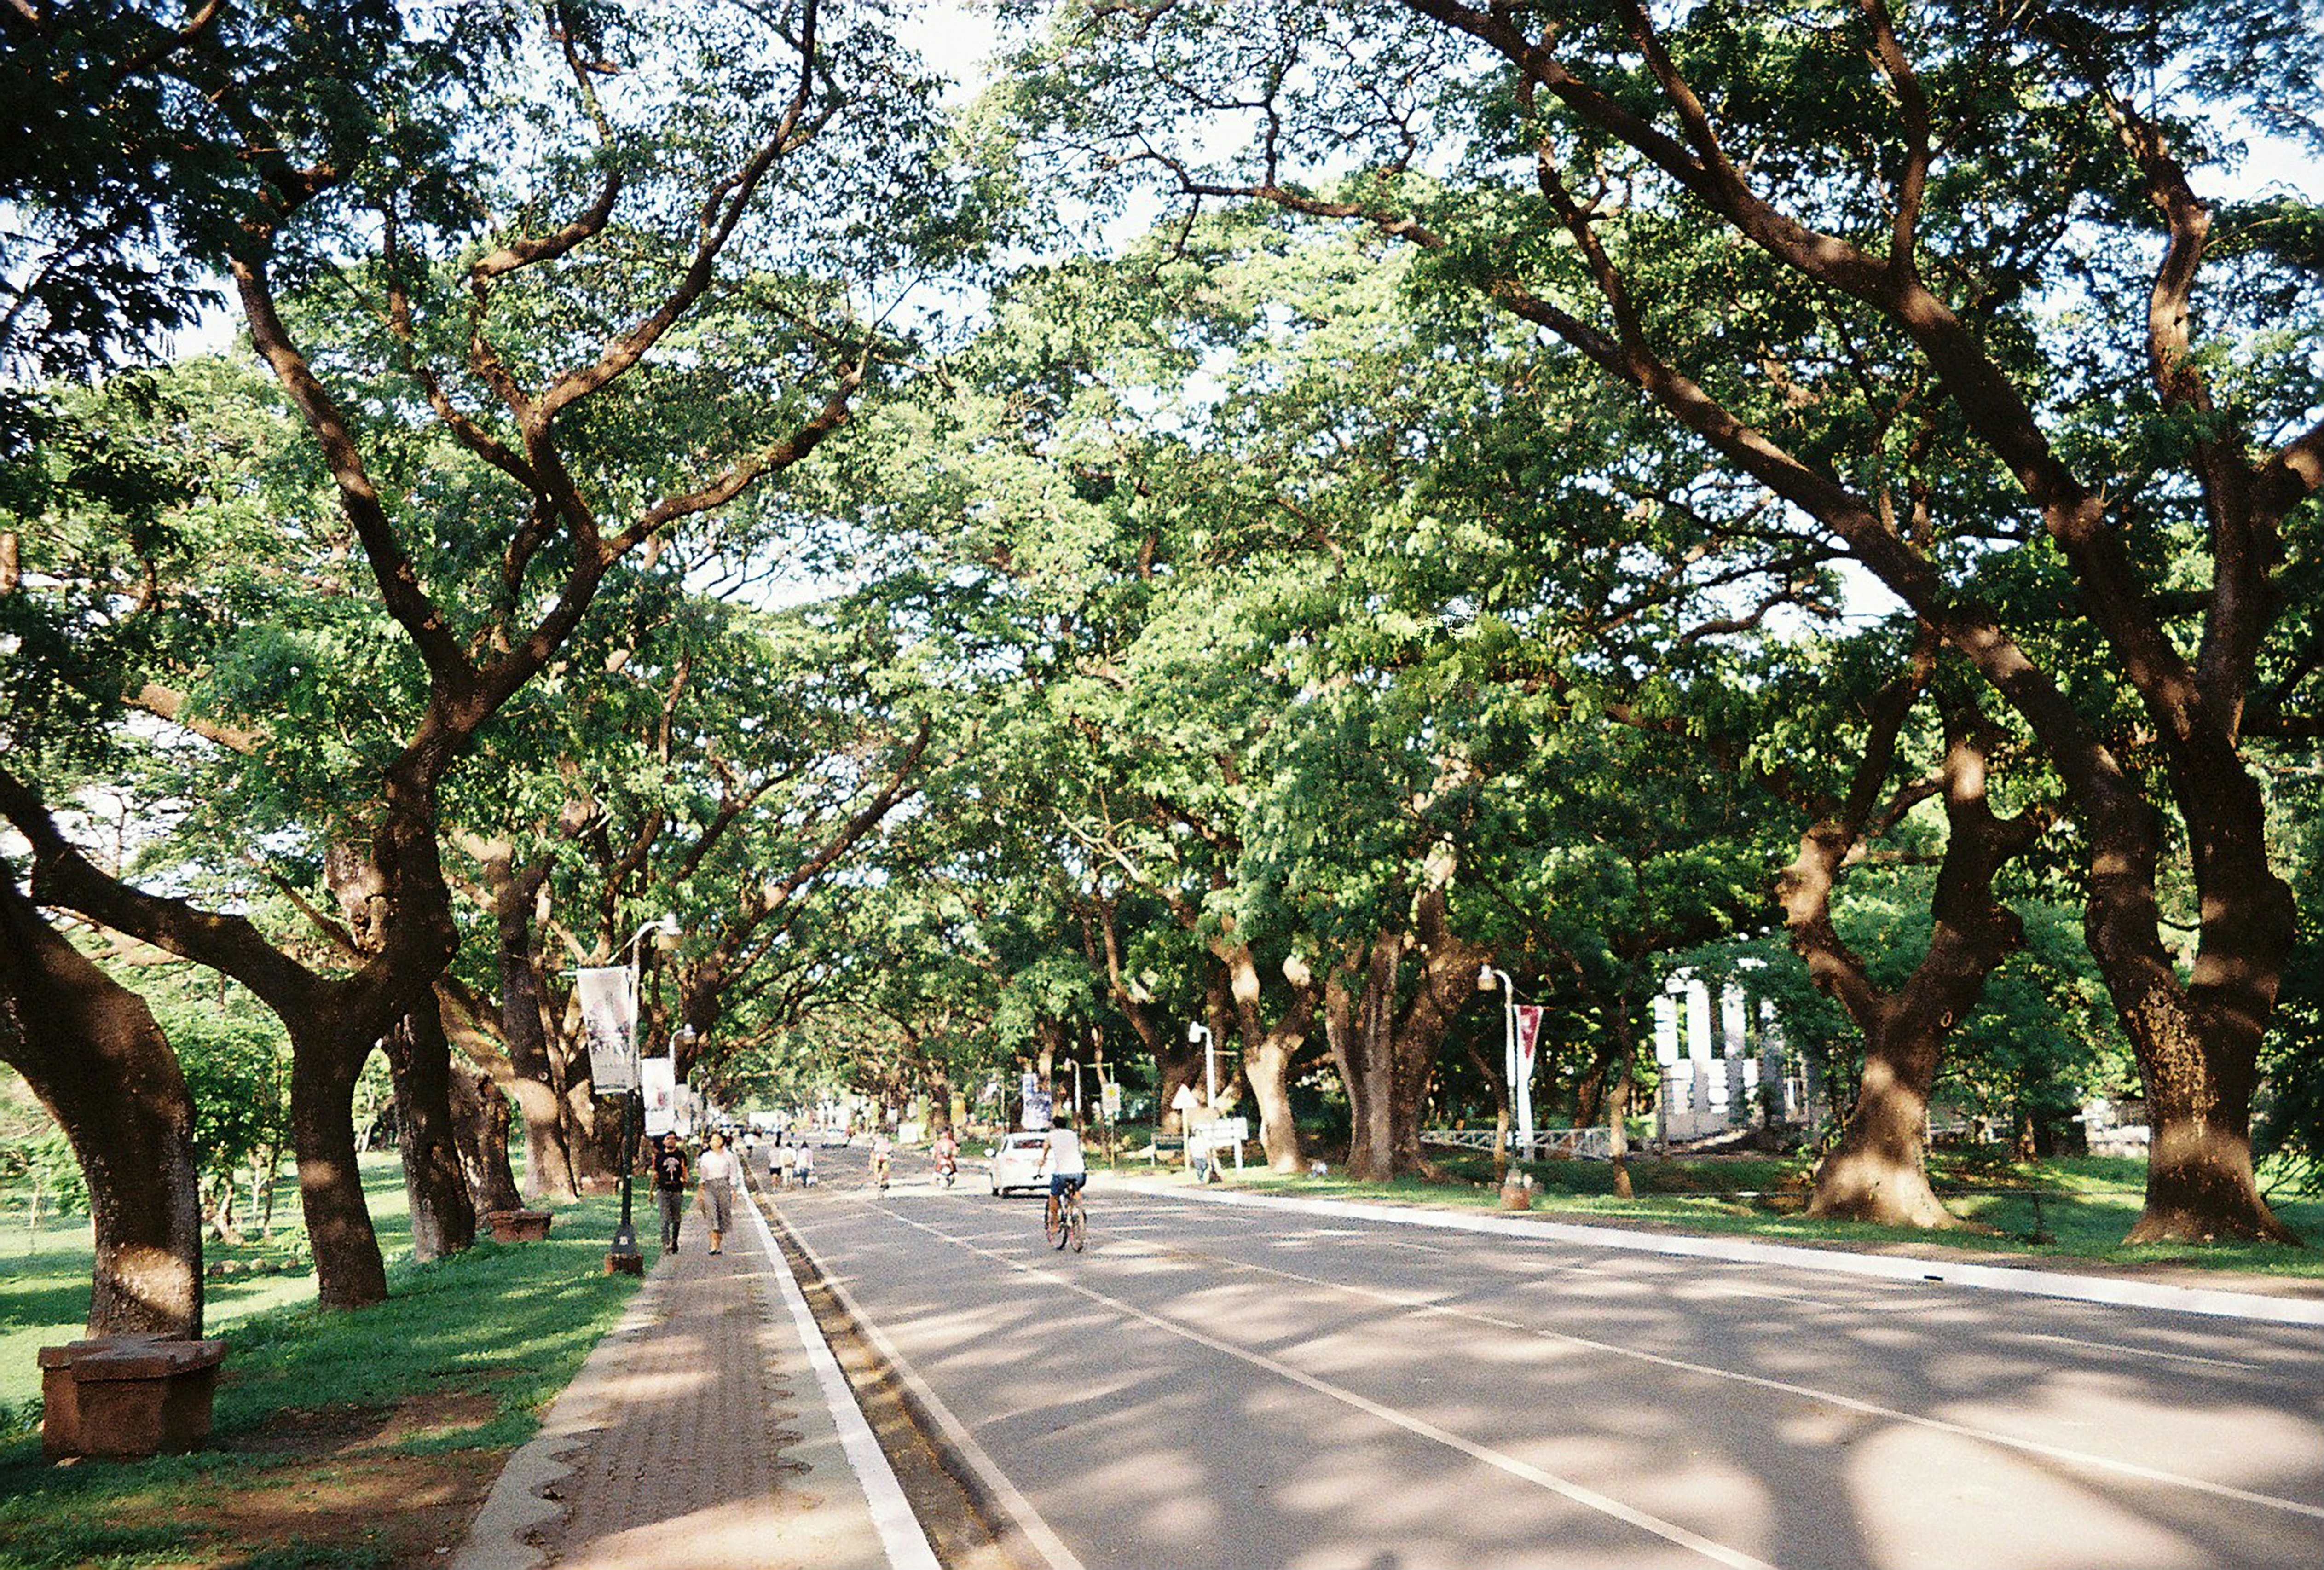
(710,1429)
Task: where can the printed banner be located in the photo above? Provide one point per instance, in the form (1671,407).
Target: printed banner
(1528,1035)
(658,1077)
(609,1017)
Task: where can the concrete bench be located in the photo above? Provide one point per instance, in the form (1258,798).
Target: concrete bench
(518,1226)
(123,1398)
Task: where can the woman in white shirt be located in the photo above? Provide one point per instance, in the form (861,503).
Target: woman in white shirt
(718,1170)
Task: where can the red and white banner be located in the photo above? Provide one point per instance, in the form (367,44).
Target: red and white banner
(1528,1035)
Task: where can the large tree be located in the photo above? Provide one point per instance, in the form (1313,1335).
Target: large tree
(1737,214)
(513,346)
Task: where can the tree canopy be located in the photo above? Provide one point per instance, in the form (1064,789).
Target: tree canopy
(1263,513)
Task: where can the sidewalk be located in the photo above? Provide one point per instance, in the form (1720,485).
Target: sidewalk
(710,1429)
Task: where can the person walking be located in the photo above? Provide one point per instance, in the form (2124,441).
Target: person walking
(790,1162)
(715,1198)
(804,1153)
(671,1176)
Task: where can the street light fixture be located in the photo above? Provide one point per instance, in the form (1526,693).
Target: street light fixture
(1489,979)
(1198,1032)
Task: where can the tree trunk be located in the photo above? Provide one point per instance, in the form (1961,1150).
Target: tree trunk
(1360,1027)
(1174,1061)
(2197,1042)
(1268,1051)
(1879,1170)
(1502,1119)
(480,1118)
(443,1213)
(325,1064)
(90,1051)
(941,1099)
(1387,1057)
(224,1192)
(1624,1018)
(550,1169)
(1051,1043)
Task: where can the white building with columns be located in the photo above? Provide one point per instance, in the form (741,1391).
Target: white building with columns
(1724,1062)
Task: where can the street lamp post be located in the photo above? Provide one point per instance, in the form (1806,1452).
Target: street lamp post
(1489,979)
(1198,1032)
(624,1255)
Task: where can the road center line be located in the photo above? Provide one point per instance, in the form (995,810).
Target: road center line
(1669,1531)
(1871,1408)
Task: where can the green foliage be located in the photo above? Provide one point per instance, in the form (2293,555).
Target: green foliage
(237,1066)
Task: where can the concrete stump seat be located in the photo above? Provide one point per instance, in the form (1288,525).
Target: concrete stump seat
(123,1398)
(518,1226)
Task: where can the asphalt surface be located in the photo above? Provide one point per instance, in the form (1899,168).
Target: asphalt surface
(1214,1386)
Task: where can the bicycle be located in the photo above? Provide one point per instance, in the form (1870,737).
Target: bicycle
(1067,1222)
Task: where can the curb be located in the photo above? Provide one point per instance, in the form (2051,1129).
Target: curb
(901,1537)
(2212,1302)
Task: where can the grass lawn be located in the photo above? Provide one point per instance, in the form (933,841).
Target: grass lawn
(2069,1208)
(340,1439)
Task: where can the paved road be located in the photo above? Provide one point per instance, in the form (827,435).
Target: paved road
(1212,1386)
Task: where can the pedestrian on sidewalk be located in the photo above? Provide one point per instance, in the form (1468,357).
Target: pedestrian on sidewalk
(671,1178)
(779,1160)
(715,1198)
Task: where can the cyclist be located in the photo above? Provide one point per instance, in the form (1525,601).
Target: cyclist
(1061,1159)
(947,1155)
(882,1152)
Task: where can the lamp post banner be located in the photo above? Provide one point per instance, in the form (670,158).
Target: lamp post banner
(609,1017)
(659,1078)
(1528,1035)
(1527,1018)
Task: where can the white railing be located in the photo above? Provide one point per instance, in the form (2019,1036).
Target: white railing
(1591,1144)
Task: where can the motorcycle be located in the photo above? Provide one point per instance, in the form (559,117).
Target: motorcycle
(947,1168)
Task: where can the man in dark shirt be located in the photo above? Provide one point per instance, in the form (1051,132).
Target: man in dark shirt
(671,1177)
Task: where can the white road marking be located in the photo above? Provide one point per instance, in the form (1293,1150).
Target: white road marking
(1669,1531)
(2138,1351)
(1722,1290)
(1014,1504)
(906,1547)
